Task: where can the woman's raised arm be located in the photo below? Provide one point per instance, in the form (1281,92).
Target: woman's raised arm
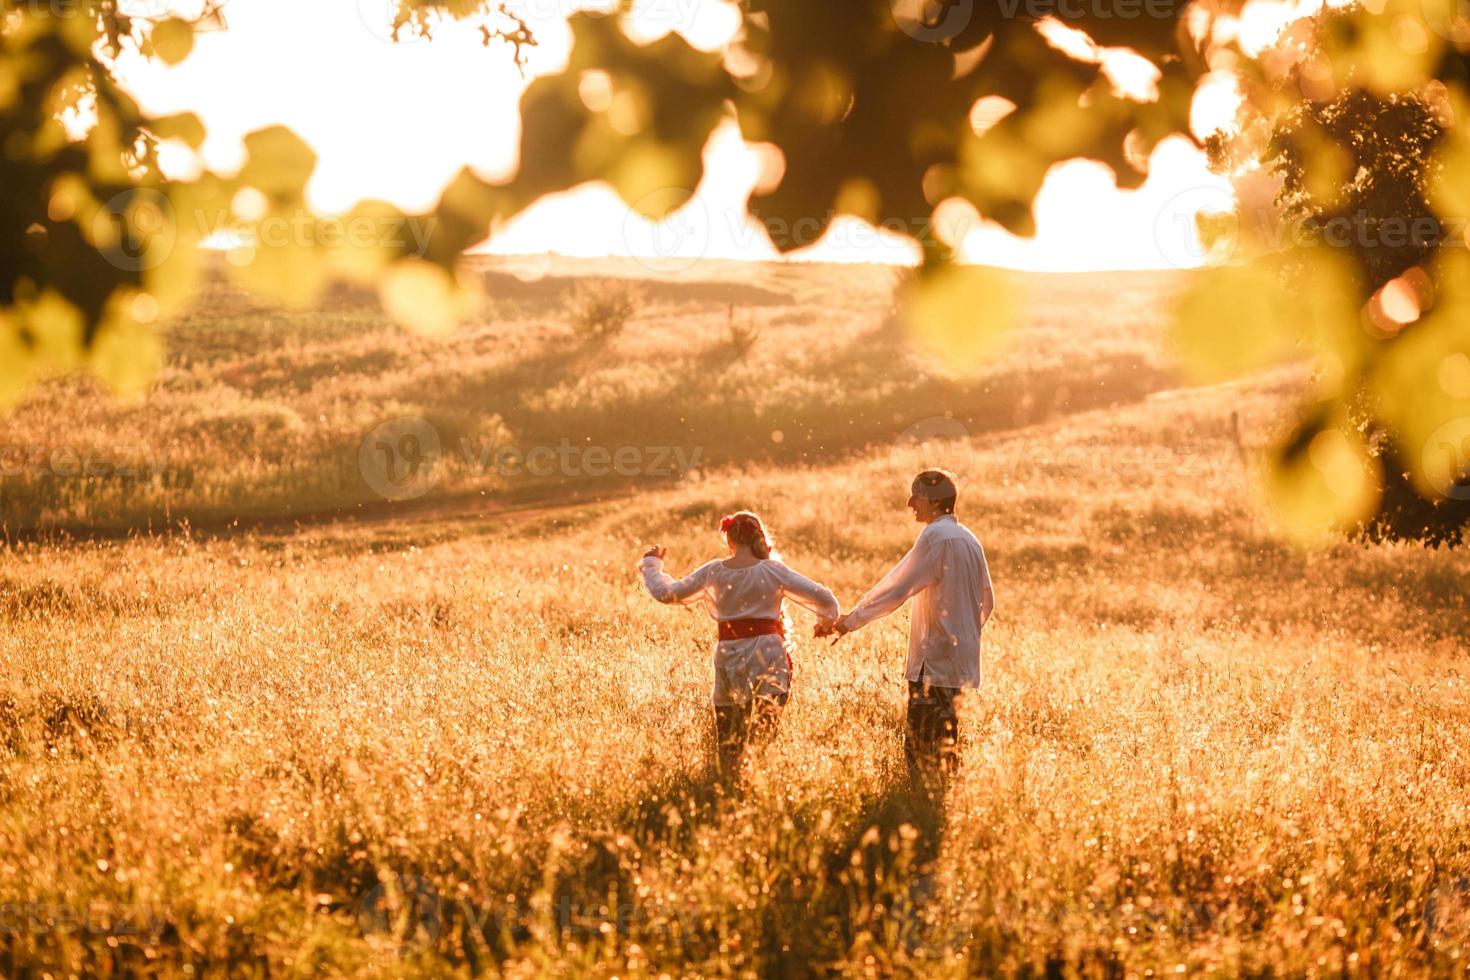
(664,587)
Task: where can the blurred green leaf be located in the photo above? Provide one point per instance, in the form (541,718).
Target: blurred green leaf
(1323,482)
(172,40)
(278,162)
(960,315)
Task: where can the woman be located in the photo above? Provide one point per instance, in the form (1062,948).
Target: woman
(744,594)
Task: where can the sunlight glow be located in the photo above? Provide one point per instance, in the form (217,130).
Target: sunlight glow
(1083,221)
(395,121)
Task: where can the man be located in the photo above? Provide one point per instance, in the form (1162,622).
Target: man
(946,570)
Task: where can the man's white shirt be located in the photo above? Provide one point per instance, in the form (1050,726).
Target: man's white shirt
(946,576)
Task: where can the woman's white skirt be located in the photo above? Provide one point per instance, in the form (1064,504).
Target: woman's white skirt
(756,666)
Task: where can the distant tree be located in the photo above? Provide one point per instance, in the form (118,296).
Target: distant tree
(741,334)
(1358,163)
(600,309)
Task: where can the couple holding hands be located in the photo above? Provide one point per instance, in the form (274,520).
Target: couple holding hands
(944,572)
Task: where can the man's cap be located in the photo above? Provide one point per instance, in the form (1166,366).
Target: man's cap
(935,485)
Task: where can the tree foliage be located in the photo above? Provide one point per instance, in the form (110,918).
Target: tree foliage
(868,104)
(1363,141)
(870,108)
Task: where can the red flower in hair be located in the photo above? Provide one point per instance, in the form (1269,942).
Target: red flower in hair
(740,524)
(745,528)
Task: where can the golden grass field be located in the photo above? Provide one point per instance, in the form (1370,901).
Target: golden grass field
(345,736)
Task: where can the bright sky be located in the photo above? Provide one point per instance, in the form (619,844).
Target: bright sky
(396,121)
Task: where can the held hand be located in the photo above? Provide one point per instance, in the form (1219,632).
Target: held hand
(657,551)
(824,627)
(836,628)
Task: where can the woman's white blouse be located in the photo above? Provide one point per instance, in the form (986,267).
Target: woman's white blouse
(754,592)
(753,666)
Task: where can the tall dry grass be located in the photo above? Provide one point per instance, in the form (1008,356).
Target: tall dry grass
(472,745)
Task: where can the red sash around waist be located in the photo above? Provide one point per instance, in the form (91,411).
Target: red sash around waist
(739,629)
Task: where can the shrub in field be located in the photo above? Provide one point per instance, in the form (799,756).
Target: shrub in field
(230,421)
(599,309)
(740,335)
